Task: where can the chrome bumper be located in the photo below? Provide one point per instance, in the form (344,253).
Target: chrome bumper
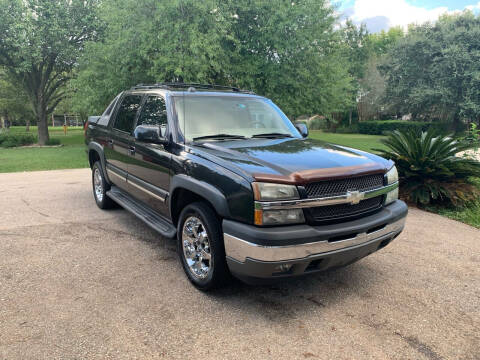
(240,250)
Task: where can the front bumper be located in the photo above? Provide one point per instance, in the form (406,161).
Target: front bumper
(264,253)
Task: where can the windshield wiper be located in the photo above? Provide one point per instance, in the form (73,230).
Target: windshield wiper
(272,135)
(219,136)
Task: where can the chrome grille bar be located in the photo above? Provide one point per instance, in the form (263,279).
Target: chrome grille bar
(351,197)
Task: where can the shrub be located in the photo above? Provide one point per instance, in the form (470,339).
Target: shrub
(351,129)
(12,140)
(382,127)
(429,170)
(472,135)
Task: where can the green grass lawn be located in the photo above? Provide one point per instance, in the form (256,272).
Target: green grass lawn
(468,215)
(70,156)
(356,141)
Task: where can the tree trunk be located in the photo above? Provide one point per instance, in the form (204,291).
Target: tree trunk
(361,110)
(350,117)
(42,123)
(40,109)
(27,128)
(456,122)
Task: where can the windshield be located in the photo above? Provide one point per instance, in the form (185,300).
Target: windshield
(204,116)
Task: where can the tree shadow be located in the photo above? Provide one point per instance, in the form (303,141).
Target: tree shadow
(294,297)
(278,302)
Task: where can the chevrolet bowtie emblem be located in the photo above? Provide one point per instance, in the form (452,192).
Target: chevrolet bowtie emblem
(355,197)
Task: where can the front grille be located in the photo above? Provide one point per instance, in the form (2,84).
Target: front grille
(340,187)
(324,213)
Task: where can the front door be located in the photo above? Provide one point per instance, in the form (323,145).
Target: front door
(149,167)
(120,144)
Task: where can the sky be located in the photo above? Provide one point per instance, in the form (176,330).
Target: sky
(382,14)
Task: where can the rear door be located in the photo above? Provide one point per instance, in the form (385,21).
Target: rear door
(149,167)
(120,145)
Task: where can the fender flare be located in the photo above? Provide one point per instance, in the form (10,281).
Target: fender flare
(201,188)
(94,146)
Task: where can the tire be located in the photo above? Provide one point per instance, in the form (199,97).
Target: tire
(100,188)
(198,253)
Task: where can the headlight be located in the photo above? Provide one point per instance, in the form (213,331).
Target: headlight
(270,191)
(276,192)
(281,217)
(392,175)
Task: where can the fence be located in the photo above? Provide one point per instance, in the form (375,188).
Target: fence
(66,119)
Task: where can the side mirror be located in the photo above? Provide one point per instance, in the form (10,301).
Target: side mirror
(150,134)
(302,129)
(93,119)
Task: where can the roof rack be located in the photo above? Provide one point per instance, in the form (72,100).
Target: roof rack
(179,85)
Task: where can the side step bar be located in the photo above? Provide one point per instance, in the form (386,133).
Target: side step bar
(156,221)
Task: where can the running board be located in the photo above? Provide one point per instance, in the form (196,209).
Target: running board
(156,221)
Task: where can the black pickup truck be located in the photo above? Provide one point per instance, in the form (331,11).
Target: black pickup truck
(242,189)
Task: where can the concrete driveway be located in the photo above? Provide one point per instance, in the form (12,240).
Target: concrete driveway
(80,283)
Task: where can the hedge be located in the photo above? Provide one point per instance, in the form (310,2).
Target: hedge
(13,140)
(381,127)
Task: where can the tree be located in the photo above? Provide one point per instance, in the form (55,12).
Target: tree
(372,92)
(40,41)
(371,96)
(12,101)
(288,51)
(148,41)
(354,41)
(285,50)
(380,43)
(433,72)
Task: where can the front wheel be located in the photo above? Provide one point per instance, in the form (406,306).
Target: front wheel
(100,188)
(200,247)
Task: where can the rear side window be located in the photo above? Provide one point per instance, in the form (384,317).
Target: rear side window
(127,111)
(105,118)
(154,112)
(109,109)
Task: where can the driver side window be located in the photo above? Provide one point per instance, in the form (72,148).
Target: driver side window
(154,112)
(127,111)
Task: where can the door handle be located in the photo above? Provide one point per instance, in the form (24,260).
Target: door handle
(131,150)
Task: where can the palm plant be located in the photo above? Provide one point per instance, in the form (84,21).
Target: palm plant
(429,170)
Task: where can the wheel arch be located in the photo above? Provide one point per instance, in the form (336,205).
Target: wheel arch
(95,153)
(185,190)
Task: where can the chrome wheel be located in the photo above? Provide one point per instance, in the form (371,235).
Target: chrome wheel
(196,247)
(98,184)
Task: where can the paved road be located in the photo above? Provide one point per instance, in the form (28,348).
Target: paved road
(80,283)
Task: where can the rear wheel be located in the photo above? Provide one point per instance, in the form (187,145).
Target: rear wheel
(100,188)
(200,247)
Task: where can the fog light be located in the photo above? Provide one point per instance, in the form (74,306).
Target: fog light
(283,268)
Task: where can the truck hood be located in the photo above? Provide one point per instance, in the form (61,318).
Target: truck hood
(290,160)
